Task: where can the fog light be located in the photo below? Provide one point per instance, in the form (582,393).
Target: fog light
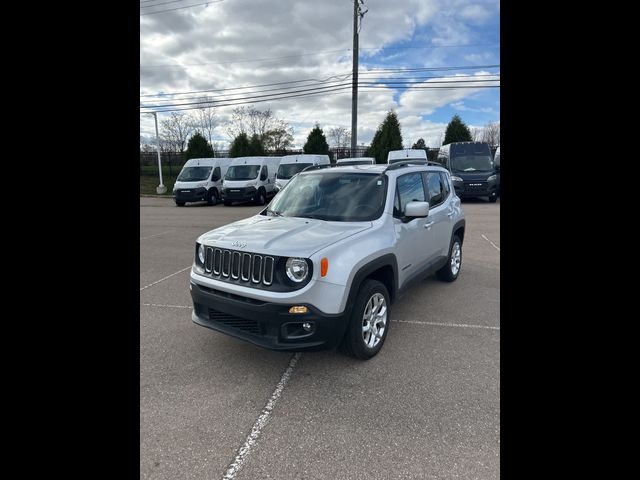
(298,309)
(307,326)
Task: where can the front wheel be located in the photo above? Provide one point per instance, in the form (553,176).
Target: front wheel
(262,198)
(493,198)
(212,198)
(369,322)
(180,204)
(451,270)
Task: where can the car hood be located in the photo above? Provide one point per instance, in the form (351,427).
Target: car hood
(198,184)
(281,236)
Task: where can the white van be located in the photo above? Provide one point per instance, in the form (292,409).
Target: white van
(406,154)
(250,179)
(293,164)
(357,161)
(200,179)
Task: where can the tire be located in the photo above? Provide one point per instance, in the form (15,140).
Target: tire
(180,204)
(262,197)
(449,272)
(212,197)
(227,203)
(493,198)
(354,343)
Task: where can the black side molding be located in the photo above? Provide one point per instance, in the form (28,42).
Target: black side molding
(388,260)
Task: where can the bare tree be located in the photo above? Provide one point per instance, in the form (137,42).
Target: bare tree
(176,130)
(339,137)
(205,120)
(477,134)
(491,134)
(280,137)
(251,121)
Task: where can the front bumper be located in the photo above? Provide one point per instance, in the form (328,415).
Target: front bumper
(190,195)
(239,194)
(481,190)
(269,325)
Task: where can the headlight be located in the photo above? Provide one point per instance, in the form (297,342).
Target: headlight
(492,178)
(297,269)
(456,179)
(201,254)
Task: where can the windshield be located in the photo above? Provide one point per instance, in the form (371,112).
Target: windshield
(194,174)
(288,170)
(340,197)
(472,163)
(242,172)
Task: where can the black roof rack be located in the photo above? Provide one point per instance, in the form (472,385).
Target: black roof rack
(316,167)
(410,163)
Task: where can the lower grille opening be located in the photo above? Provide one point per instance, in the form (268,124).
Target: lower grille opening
(244,324)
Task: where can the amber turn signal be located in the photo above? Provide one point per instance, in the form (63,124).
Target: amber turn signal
(324,266)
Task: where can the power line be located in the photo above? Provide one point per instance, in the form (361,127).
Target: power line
(180,8)
(163,3)
(427,69)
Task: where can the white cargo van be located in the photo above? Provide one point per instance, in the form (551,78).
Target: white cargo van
(250,179)
(406,154)
(293,164)
(357,161)
(200,179)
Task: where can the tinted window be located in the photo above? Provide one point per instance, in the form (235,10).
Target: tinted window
(265,173)
(242,172)
(194,174)
(434,186)
(410,189)
(216,174)
(445,184)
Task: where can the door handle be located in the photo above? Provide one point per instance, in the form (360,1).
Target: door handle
(428,224)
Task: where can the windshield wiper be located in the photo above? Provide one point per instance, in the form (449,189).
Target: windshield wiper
(277,214)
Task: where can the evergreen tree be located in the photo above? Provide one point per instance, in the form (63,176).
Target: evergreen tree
(386,138)
(457,131)
(419,145)
(240,146)
(255,146)
(316,142)
(198,147)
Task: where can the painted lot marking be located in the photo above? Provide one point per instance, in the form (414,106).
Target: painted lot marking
(458,325)
(164,278)
(245,450)
(156,235)
(493,244)
(164,306)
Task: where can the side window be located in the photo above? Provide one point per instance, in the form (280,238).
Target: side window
(264,174)
(445,183)
(435,189)
(409,189)
(216,174)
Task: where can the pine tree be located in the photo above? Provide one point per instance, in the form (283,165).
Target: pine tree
(388,137)
(198,147)
(255,145)
(457,131)
(240,146)
(316,142)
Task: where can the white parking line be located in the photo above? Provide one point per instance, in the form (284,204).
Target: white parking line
(493,244)
(156,235)
(164,278)
(459,325)
(165,306)
(244,451)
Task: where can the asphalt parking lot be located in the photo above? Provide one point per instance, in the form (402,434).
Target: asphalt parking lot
(212,406)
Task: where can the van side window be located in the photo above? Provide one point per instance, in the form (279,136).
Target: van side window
(265,173)
(445,184)
(410,189)
(434,186)
(216,174)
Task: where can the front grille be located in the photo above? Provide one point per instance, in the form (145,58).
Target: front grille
(251,269)
(244,324)
(475,186)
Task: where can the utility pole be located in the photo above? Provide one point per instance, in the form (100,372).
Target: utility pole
(160,189)
(354,88)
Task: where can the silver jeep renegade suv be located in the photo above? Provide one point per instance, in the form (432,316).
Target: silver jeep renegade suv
(322,264)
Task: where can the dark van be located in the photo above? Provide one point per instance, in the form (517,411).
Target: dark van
(472,170)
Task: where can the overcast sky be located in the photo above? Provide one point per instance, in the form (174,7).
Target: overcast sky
(238,43)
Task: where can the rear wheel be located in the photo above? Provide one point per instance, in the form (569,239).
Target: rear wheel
(369,322)
(493,198)
(180,204)
(451,270)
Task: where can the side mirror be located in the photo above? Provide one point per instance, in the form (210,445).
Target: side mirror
(416,209)
(497,168)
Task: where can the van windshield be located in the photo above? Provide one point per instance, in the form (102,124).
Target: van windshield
(242,172)
(194,174)
(288,170)
(471,163)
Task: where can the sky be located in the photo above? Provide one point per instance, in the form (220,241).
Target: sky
(186,46)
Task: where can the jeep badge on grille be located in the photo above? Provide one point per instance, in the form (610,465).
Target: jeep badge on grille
(239,244)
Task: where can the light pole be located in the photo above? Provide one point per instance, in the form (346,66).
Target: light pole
(160,189)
